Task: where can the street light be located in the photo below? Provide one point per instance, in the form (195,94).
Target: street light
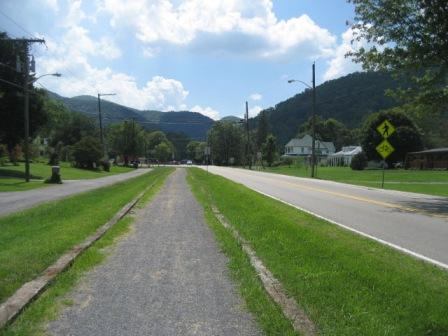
(313,146)
(101,119)
(26,83)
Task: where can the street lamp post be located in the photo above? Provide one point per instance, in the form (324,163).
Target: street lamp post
(313,120)
(101,119)
(26,93)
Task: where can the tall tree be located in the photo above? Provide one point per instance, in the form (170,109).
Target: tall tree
(226,141)
(262,129)
(408,37)
(12,127)
(270,149)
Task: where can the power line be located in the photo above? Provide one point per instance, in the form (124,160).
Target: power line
(17,24)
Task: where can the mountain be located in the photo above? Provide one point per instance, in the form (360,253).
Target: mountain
(349,99)
(192,124)
(231,119)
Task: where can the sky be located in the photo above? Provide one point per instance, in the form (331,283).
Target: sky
(208,56)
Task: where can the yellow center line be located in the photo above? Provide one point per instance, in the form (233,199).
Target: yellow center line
(356,198)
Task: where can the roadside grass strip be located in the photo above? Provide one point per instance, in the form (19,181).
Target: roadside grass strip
(431,182)
(33,239)
(46,307)
(267,313)
(345,283)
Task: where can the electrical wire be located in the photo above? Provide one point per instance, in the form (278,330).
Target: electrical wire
(17,24)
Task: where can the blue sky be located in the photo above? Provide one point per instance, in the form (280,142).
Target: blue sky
(208,56)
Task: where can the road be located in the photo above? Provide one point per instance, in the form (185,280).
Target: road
(167,277)
(414,223)
(20,200)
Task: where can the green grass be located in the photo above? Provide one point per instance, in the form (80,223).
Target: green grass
(18,184)
(33,239)
(267,313)
(46,308)
(11,177)
(347,284)
(419,181)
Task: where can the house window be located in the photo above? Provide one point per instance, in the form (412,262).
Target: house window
(301,149)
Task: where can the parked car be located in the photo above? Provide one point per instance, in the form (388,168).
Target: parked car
(189,162)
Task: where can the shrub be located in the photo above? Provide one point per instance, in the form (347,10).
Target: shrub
(3,154)
(287,160)
(16,154)
(359,161)
(87,153)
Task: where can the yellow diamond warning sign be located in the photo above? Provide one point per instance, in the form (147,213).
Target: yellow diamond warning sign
(385,149)
(386,129)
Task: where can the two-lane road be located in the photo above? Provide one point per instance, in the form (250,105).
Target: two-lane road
(414,223)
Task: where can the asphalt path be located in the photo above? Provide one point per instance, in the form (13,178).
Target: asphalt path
(167,277)
(414,223)
(19,200)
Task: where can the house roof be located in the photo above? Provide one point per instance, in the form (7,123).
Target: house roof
(307,141)
(348,151)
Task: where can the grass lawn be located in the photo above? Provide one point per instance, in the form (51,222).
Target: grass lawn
(419,181)
(33,319)
(347,284)
(33,239)
(12,177)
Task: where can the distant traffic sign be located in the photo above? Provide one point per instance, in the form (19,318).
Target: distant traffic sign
(386,129)
(385,149)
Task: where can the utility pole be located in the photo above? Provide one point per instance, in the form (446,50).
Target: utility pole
(246,117)
(26,105)
(101,121)
(313,146)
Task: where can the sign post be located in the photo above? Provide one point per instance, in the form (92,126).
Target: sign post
(207,155)
(385,129)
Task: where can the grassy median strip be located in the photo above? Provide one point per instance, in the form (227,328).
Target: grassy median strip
(347,284)
(267,313)
(33,239)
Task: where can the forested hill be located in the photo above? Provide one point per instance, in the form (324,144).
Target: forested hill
(192,124)
(348,99)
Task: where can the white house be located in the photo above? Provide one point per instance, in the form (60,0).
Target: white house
(303,147)
(343,157)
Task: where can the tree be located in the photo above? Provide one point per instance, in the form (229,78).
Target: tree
(408,37)
(126,139)
(270,149)
(87,152)
(407,137)
(196,151)
(329,130)
(163,152)
(12,127)
(262,129)
(226,142)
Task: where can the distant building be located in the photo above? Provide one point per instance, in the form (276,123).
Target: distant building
(436,158)
(303,147)
(343,157)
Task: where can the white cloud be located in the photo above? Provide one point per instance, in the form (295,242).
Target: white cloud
(256,96)
(339,65)
(233,26)
(207,111)
(53,4)
(108,49)
(253,111)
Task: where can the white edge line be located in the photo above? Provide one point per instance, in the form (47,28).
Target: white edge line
(397,247)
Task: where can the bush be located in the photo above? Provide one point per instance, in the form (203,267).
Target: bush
(87,153)
(3,154)
(55,178)
(359,161)
(16,154)
(287,160)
